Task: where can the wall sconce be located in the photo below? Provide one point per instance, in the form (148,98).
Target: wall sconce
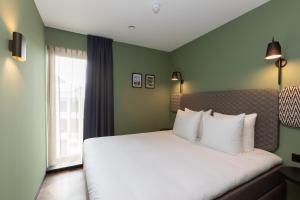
(18,47)
(178,76)
(274,52)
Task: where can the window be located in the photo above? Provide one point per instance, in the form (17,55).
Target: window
(67,72)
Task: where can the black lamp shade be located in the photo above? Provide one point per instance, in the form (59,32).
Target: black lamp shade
(18,46)
(273,50)
(175,76)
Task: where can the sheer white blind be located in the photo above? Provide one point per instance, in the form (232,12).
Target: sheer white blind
(67,72)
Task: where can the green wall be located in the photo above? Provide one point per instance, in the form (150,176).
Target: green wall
(22,103)
(65,39)
(140,110)
(232,57)
(136,110)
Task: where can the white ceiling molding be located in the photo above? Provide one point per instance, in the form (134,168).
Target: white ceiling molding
(176,23)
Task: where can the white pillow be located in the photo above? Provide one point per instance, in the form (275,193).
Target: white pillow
(223,134)
(186,124)
(248,131)
(201,122)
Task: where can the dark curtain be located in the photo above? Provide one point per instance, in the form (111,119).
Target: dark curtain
(99,101)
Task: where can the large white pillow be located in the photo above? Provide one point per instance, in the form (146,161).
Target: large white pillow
(186,124)
(223,134)
(248,131)
(208,112)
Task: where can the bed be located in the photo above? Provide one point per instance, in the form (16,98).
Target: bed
(162,166)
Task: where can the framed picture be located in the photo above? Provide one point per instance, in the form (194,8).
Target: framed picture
(136,80)
(149,81)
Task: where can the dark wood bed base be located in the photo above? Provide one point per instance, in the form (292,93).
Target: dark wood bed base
(268,186)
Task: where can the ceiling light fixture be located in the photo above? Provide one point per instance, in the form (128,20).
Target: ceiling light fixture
(131,27)
(156,7)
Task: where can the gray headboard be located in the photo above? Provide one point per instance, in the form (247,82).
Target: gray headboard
(264,102)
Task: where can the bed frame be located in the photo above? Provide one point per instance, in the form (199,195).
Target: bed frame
(264,102)
(269,185)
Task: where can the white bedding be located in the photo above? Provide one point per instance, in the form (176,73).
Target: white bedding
(162,166)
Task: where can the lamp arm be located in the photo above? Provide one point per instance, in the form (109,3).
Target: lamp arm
(181,82)
(280,63)
(279,72)
(181,78)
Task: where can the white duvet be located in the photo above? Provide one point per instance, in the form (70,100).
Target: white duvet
(162,166)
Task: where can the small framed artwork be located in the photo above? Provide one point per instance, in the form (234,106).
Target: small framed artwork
(136,80)
(149,81)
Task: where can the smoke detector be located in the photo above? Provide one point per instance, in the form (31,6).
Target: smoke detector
(156,7)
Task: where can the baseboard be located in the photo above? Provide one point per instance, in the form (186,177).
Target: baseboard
(39,188)
(64,168)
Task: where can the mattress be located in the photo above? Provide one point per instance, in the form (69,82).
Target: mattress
(163,166)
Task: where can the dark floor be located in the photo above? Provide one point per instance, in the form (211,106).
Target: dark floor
(64,185)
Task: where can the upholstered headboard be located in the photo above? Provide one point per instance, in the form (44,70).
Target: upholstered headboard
(264,102)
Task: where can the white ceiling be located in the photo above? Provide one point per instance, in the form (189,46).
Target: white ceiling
(177,23)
